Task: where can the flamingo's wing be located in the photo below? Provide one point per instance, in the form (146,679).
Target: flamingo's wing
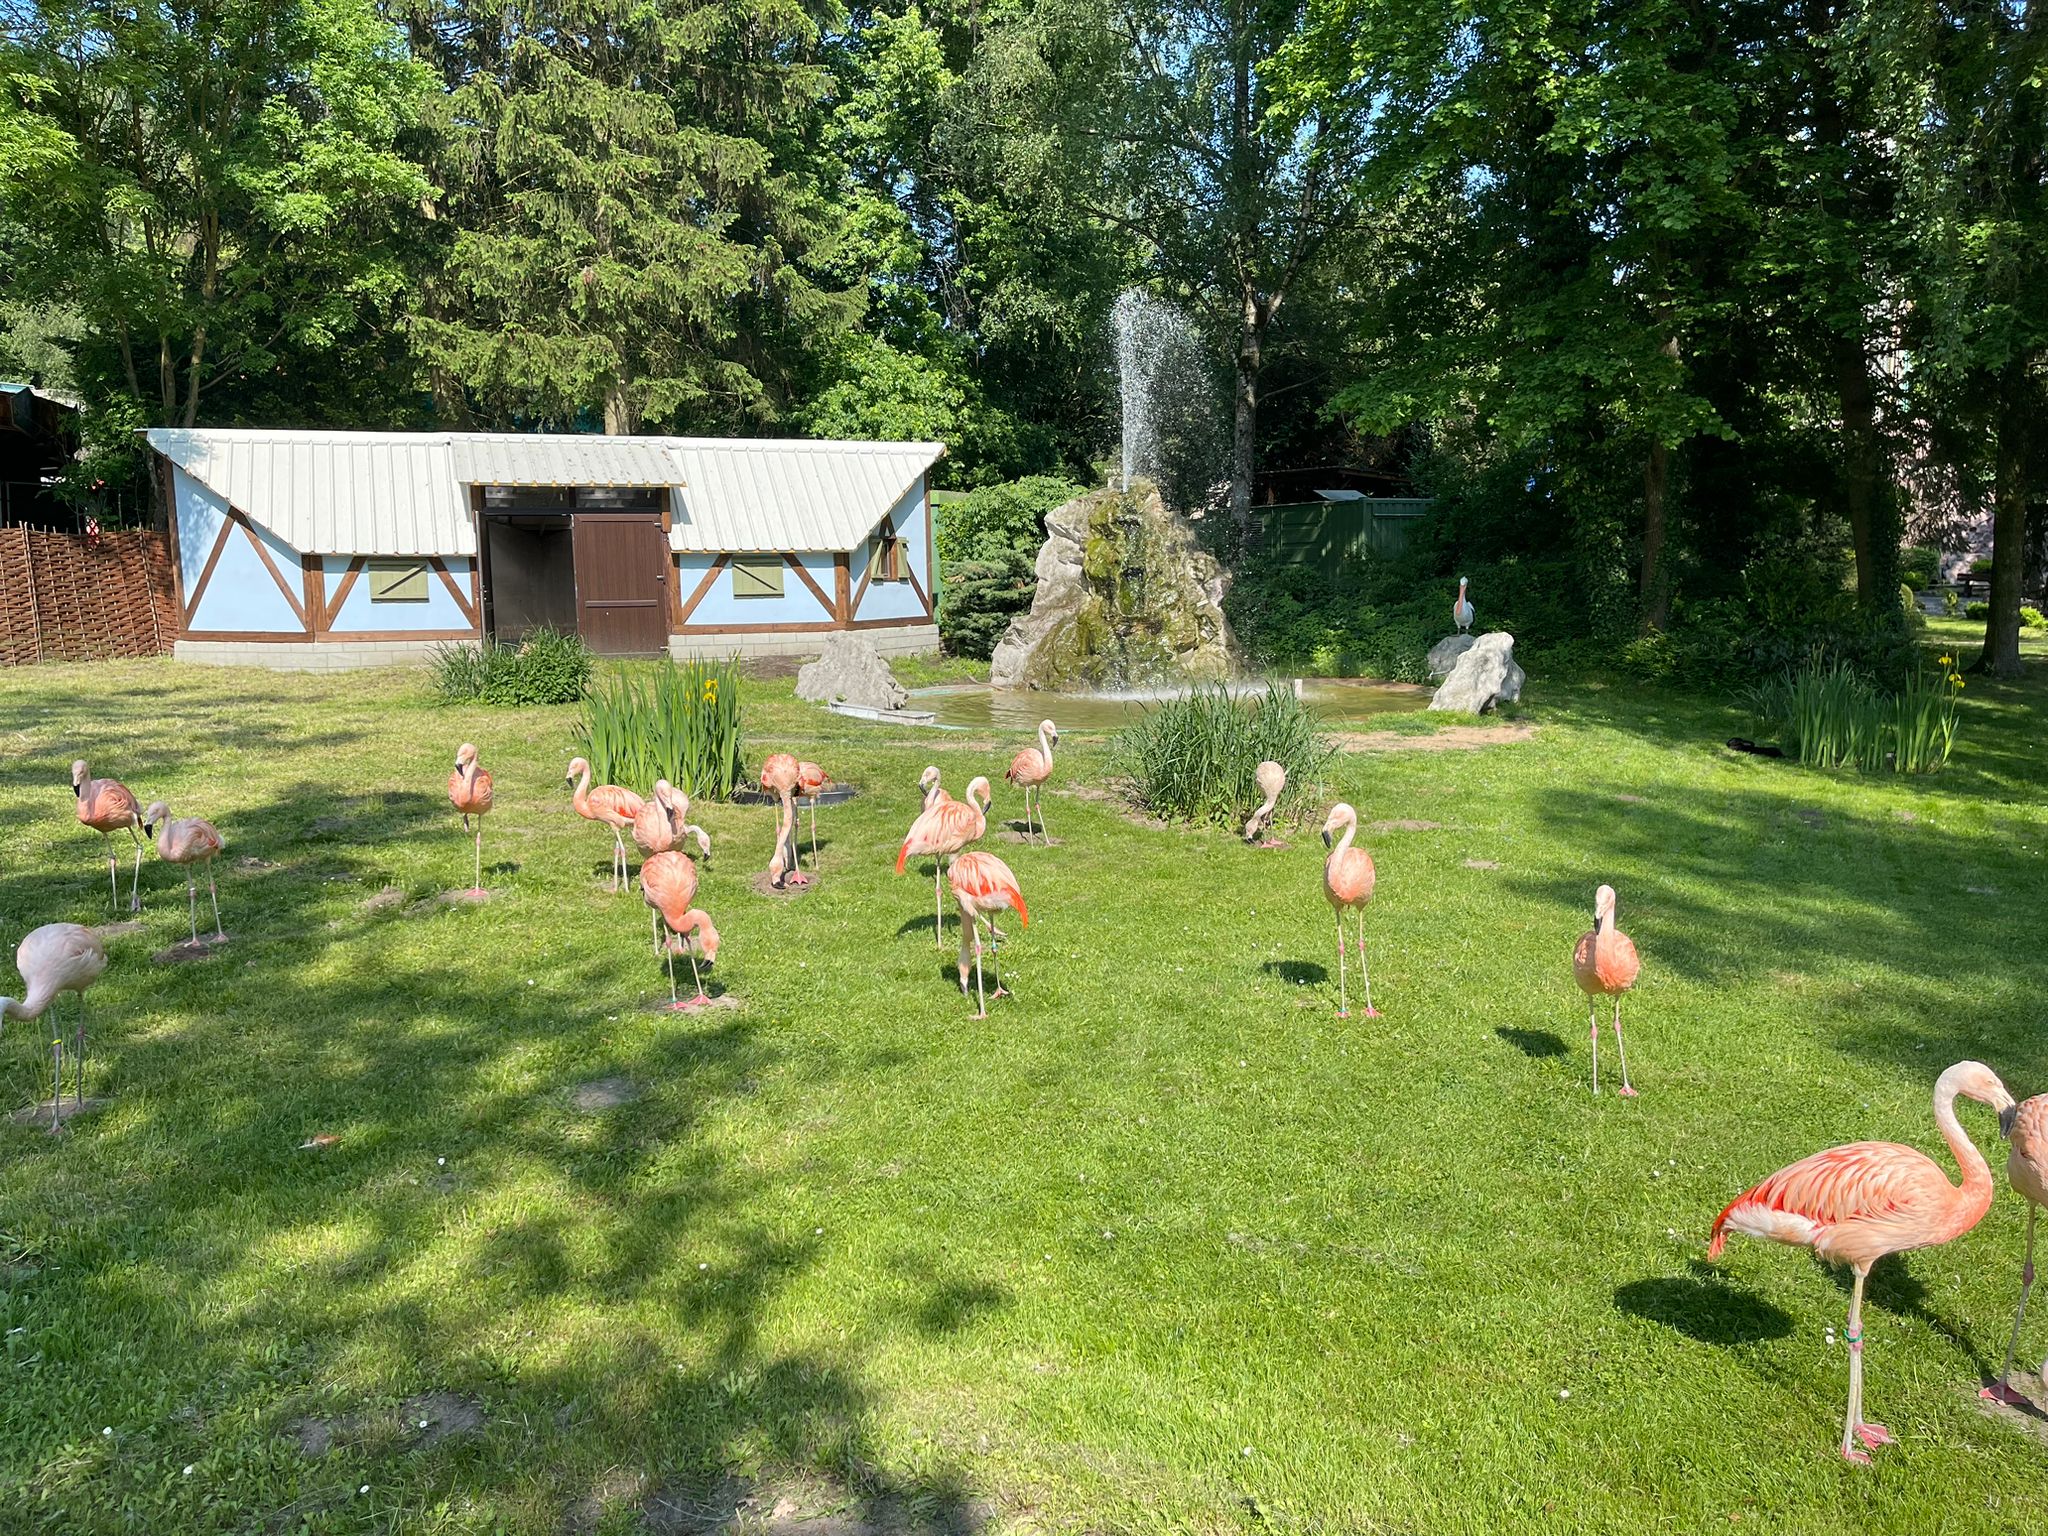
(1864,1181)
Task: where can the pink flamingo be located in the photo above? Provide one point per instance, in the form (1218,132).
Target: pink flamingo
(1461,608)
(945,827)
(811,781)
(613,806)
(469,791)
(187,841)
(106,806)
(57,957)
(984,886)
(668,884)
(1272,780)
(2026,1169)
(779,773)
(1029,770)
(1855,1204)
(929,787)
(1348,879)
(1604,963)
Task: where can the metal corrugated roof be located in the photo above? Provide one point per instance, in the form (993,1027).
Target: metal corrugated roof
(758,494)
(406,493)
(334,493)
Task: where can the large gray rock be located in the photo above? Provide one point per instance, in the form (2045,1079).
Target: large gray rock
(1484,676)
(1125,598)
(1445,653)
(851,670)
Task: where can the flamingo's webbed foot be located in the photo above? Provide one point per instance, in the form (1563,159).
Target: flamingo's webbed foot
(1627,1092)
(2001,1392)
(1874,1435)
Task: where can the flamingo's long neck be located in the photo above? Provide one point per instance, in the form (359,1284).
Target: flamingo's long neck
(39,997)
(1973,1199)
(1045,746)
(582,795)
(1343,843)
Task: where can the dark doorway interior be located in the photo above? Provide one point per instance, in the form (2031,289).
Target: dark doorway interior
(529,574)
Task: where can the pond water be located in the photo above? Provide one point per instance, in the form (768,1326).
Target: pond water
(1340,699)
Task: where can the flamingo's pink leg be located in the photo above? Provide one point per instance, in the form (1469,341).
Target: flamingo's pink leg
(214,891)
(2001,1392)
(1370,1011)
(1627,1091)
(1854,1428)
(113,869)
(192,902)
(477,885)
(79,1068)
(1593,1019)
(938,906)
(1343,1007)
(981,997)
(135,885)
(698,977)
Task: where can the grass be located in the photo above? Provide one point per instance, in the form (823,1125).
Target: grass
(1162,1246)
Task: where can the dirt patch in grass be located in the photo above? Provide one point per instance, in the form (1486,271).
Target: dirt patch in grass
(617,1489)
(1482,864)
(605,1093)
(441,901)
(761,886)
(39,1113)
(118,930)
(2031,1420)
(436,1416)
(1452,738)
(249,861)
(1028,839)
(391,896)
(804,1507)
(1100,796)
(422,1422)
(205,947)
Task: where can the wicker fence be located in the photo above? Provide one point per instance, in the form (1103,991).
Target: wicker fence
(64,597)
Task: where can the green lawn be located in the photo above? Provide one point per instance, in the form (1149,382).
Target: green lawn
(1162,1245)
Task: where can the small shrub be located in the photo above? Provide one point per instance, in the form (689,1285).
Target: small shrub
(681,723)
(547,667)
(1919,565)
(998,519)
(2031,618)
(979,600)
(1950,602)
(1977,611)
(1193,758)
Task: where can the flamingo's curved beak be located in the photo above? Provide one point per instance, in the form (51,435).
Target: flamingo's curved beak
(1326,838)
(2006,1119)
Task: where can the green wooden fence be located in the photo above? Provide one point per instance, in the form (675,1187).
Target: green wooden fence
(1324,532)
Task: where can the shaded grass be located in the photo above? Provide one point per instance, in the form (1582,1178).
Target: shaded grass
(1161,1245)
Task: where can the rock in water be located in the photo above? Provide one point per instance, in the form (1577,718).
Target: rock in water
(1484,676)
(851,670)
(1125,598)
(1445,653)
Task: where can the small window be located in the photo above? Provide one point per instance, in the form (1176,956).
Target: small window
(398,581)
(757,578)
(885,557)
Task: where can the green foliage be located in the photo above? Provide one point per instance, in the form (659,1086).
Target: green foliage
(1193,758)
(683,723)
(979,600)
(1977,611)
(997,520)
(1831,716)
(1950,602)
(2033,618)
(547,667)
(1919,566)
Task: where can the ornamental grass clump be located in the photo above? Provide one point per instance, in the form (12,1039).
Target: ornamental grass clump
(1194,758)
(680,723)
(547,667)
(1830,716)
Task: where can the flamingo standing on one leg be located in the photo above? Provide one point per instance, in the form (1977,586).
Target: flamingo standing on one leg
(187,841)
(668,884)
(1348,879)
(613,806)
(1029,770)
(779,775)
(1605,964)
(984,886)
(106,806)
(1461,608)
(469,791)
(946,826)
(1272,780)
(2026,1169)
(1855,1204)
(57,957)
(811,781)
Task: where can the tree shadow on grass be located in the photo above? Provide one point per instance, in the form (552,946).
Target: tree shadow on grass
(1704,1306)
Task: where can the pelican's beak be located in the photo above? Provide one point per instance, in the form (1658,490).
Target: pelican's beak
(2006,1117)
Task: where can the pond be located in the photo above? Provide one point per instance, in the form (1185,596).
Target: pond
(1340,699)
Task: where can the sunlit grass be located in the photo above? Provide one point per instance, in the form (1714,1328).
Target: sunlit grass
(1162,1245)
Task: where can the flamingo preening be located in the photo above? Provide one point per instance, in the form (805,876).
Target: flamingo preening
(106,806)
(1272,781)
(941,831)
(613,806)
(57,957)
(1855,1204)
(1029,770)
(811,781)
(1348,879)
(1461,608)
(1605,964)
(2026,1169)
(929,787)
(469,791)
(187,841)
(779,775)
(668,884)
(983,886)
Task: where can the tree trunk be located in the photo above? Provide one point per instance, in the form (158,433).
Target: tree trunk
(2001,657)
(1656,592)
(1244,438)
(1873,521)
(621,419)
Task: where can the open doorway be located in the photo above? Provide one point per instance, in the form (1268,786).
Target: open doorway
(588,560)
(529,574)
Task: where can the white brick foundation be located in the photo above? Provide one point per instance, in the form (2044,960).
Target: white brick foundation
(895,640)
(305,655)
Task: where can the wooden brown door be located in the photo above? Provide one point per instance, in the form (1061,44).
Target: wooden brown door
(621,582)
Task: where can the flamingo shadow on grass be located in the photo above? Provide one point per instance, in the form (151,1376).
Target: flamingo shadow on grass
(1703,1306)
(1297,973)
(1536,1044)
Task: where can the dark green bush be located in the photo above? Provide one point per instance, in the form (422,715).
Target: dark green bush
(547,667)
(998,519)
(1977,611)
(979,600)
(1193,758)
(1919,565)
